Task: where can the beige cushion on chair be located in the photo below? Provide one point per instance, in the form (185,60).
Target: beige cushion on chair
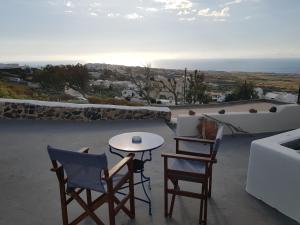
(207,129)
(187,126)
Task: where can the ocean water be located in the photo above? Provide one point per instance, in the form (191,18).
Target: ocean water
(244,65)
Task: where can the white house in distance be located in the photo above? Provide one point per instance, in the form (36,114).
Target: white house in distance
(282,97)
(260,92)
(130,93)
(74,93)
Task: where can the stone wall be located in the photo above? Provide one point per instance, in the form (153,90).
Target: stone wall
(40,110)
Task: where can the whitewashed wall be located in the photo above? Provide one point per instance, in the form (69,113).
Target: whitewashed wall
(287,117)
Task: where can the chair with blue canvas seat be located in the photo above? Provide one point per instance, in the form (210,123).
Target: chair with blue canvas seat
(190,168)
(80,171)
(199,139)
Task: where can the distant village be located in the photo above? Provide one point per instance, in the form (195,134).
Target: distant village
(118,78)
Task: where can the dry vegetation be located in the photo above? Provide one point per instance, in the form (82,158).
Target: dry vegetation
(112,101)
(19,91)
(267,81)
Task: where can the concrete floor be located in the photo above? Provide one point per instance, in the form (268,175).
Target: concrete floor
(29,191)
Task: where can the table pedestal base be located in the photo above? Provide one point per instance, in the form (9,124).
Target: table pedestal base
(138,167)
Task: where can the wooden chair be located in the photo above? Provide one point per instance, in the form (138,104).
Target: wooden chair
(80,171)
(191,168)
(197,147)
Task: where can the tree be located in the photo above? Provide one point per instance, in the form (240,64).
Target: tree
(196,88)
(144,83)
(170,85)
(56,78)
(50,78)
(77,77)
(242,91)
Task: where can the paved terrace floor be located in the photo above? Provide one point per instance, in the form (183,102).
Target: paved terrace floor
(29,191)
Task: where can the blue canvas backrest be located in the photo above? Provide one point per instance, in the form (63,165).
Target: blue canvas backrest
(218,140)
(83,170)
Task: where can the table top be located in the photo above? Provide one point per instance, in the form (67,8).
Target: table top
(123,142)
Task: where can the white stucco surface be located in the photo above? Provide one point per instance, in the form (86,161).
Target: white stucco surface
(73,105)
(273,173)
(286,118)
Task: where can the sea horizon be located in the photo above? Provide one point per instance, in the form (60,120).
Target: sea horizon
(263,65)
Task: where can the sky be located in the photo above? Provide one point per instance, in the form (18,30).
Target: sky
(136,32)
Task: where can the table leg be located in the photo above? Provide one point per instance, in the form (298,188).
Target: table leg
(143,178)
(144,161)
(115,153)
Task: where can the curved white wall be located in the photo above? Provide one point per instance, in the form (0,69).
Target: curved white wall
(273,173)
(287,117)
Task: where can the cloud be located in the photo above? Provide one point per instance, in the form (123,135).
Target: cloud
(133,16)
(53,3)
(219,19)
(204,12)
(149,9)
(233,2)
(69,4)
(176,4)
(113,15)
(183,12)
(217,14)
(68,11)
(95,4)
(187,19)
(247,17)
(93,14)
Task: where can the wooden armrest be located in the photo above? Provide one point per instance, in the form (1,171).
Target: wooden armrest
(84,150)
(188,157)
(115,169)
(55,169)
(192,139)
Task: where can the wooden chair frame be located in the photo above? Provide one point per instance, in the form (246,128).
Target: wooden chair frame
(68,195)
(209,155)
(175,175)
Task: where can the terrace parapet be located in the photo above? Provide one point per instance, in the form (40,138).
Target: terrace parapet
(42,110)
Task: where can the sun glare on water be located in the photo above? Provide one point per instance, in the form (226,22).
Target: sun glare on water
(127,58)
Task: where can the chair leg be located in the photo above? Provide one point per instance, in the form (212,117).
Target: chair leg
(88,197)
(205,203)
(166,195)
(210,182)
(112,220)
(176,187)
(86,208)
(131,201)
(201,206)
(125,210)
(63,202)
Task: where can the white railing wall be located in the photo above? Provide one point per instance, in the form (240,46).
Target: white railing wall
(287,117)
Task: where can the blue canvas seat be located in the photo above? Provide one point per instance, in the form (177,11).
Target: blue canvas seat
(188,166)
(79,171)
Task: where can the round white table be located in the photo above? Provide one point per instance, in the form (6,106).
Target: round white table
(149,142)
